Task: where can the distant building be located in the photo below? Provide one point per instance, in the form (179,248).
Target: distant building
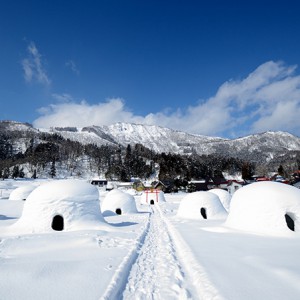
(99,182)
(198,185)
(125,185)
(234,185)
(216,182)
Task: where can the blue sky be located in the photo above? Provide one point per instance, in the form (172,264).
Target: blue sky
(219,68)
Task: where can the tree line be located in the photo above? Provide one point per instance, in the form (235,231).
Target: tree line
(53,154)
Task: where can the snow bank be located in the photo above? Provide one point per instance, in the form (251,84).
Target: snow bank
(61,205)
(201,205)
(265,207)
(21,192)
(152,197)
(224,197)
(118,202)
(132,192)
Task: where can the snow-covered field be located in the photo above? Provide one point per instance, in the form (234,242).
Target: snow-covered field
(152,254)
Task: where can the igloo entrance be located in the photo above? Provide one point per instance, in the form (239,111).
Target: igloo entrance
(203,212)
(289,221)
(57,223)
(152,202)
(118,211)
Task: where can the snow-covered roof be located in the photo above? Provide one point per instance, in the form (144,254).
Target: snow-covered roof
(265,207)
(74,203)
(117,201)
(152,195)
(22,192)
(201,205)
(224,197)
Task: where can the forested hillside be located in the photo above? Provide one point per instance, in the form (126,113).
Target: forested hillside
(28,152)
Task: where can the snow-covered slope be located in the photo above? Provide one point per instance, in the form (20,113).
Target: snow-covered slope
(157,138)
(258,147)
(263,146)
(16,126)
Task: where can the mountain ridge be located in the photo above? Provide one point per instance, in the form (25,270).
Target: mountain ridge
(261,147)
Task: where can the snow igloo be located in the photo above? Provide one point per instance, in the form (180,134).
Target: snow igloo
(265,207)
(21,192)
(224,197)
(152,197)
(201,205)
(118,202)
(61,205)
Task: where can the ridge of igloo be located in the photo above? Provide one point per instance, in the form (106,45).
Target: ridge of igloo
(119,202)
(201,205)
(22,192)
(75,203)
(265,207)
(223,195)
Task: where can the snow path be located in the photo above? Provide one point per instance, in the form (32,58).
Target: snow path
(157,272)
(160,265)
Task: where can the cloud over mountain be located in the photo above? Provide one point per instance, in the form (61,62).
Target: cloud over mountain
(267,99)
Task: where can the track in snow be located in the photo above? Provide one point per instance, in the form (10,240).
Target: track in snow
(157,272)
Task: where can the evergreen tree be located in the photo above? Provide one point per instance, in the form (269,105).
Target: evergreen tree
(52,170)
(247,171)
(21,173)
(191,187)
(281,170)
(6,173)
(15,172)
(34,174)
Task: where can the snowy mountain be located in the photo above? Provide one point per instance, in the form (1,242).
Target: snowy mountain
(264,145)
(158,139)
(261,147)
(16,126)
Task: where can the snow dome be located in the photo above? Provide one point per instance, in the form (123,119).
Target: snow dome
(61,205)
(118,202)
(224,197)
(22,192)
(268,207)
(201,205)
(152,197)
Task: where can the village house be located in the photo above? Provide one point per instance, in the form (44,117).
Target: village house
(234,185)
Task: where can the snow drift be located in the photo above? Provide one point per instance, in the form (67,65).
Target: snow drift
(61,205)
(118,202)
(224,197)
(22,192)
(201,205)
(265,207)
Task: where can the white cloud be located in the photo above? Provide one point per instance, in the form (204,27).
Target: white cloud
(267,99)
(33,66)
(62,97)
(71,64)
(84,114)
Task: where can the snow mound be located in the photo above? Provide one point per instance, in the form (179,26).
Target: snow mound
(21,192)
(201,205)
(61,205)
(265,207)
(132,192)
(152,197)
(224,197)
(118,202)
